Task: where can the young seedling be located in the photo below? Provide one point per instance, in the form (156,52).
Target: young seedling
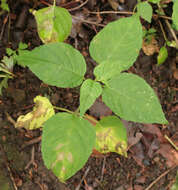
(68,137)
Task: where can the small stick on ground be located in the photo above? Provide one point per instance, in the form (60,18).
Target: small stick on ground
(31,142)
(171,142)
(81,5)
(87,21)
(103,168)
(32,160)
(162,175)
(84,176)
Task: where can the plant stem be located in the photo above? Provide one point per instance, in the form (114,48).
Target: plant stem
(170,27)
(63,109)
(86,116)
(162,29)
(170,141)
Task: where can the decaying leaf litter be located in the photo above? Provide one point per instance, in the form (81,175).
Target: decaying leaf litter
(147,154)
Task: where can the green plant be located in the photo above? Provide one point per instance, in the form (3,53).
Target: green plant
(145,10)
(4,5)
(7,65)
(68,138)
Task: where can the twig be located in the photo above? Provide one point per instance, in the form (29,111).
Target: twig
(84,176)
(172,32)
(33,141)
(128,13)
(87,21)
(162,175)
(3,27)
(103,168)
(10,119)
(170,28)
(76,8)
(162,29)
(170,141)
(32,160)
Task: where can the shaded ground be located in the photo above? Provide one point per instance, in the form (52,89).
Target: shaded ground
(149,156)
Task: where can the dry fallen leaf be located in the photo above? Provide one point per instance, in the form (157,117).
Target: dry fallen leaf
(169,153)
(151,47)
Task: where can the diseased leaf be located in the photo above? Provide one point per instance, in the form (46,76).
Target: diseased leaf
(131,98)
(54,23)
(56,64)
(145,10)
(89,92)
(67,142)
(42,111)
(120,41)
(162,56)
(175,13)
(111,136)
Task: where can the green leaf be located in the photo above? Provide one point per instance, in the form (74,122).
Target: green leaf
(162,56)
(56,64)
(107,70)
(42,111)
(175,13)
(89,92)
(67,142)
(154,1)
(111,136)
(54,23)
(22,46)
(131,98)
(120,41)
(145,10)
(4,5)
(3,84)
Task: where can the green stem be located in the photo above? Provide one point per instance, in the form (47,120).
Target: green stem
(86,116)
(63,109)
(71,112)
(170,141)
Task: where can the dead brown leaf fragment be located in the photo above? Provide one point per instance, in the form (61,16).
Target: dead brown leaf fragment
(149,48)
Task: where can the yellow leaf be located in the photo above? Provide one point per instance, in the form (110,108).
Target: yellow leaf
(42,111)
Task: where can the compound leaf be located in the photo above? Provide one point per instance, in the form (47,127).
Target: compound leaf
(67,142)
(175,13)
(42,111)
(111,136)
(56,64)
(131,98)
(120,41)
(145,10)
(89,92)
(54,23)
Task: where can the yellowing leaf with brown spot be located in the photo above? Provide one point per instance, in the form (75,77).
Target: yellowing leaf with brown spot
(111,136)
(42,111)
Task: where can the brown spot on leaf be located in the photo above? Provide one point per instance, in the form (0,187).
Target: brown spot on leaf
(59,146)
(70,157)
